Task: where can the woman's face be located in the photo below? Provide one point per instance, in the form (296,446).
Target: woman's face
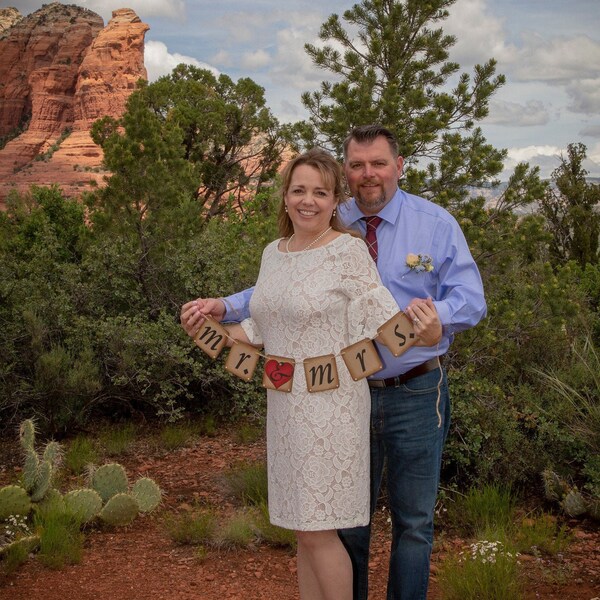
(310,202)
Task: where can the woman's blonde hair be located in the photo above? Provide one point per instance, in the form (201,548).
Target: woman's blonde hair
(332,174)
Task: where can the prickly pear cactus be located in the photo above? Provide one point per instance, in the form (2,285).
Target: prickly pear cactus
(554,487)
(38,472)
(31,468)
(53,500)
(14,500)
(121,509)
(573,503)
(53,454)
(43,481)
(84,503)
(147,494)
(27,434)
(30,543)
(109,480)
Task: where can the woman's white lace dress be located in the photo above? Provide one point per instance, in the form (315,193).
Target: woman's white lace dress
(308,304)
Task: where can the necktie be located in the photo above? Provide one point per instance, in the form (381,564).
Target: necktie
(371,237)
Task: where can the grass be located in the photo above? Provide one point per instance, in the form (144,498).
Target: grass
(248,483)
(176,435)
(193,528)
(272,534)
(61,541)
(490,568)
(490,508)
(487,570)
(13,557)
(80,453)
(247,433)
(238,532)
(117,440)
(208,426)
(540,534)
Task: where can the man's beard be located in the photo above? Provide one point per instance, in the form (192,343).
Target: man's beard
(371,205)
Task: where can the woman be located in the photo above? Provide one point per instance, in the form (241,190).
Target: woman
(318,291)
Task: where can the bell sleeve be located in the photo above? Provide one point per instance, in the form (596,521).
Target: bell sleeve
(370,303)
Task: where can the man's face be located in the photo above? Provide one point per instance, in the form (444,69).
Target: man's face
(372,173)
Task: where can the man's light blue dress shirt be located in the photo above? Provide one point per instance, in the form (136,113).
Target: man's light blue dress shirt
(413,225)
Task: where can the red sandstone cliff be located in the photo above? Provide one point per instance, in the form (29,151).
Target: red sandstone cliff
(61,70)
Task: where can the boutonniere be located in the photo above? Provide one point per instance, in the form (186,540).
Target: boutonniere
(419,262)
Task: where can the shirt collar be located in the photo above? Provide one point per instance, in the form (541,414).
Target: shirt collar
(388,213)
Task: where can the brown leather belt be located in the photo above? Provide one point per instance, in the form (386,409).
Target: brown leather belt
(429,365)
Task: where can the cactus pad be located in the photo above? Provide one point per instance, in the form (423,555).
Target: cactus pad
(110,479)
(121,509)
(84,503)
(53,454)
(13,501)
(42,484)
(30,469)
(30,543)
(574,504)
(147,493)
(27,434)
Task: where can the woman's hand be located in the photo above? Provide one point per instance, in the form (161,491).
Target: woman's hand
(194,313)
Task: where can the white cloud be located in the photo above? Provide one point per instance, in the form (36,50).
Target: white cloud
(172,9)
(479,35)
(222,58)
(513,114)
(160,62)
(529,152)
(558,59)
(255,60)
(585,96)
(590,131)
(544,157)
(593,162)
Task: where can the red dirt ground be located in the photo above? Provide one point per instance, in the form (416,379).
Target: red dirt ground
(141,562)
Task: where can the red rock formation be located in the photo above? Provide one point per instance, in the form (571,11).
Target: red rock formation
(8,17)
(61,67)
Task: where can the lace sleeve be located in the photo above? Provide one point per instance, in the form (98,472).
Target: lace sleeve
(371,304)
(249,327)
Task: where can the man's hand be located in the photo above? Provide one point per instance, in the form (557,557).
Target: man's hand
(426,321)
(193,313)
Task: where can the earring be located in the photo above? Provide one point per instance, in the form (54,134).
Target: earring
(334,213)
(285,207)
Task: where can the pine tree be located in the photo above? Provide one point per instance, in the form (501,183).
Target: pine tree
(570,207)
(395,71)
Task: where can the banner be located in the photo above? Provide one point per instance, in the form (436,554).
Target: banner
(361,359)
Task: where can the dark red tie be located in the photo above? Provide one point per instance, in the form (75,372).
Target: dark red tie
(371,237)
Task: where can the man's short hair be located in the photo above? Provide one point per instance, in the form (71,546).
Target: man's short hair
(367,134)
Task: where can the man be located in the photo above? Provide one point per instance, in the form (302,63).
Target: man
(423,259)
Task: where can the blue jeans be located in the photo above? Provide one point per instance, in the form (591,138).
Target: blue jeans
(406,437)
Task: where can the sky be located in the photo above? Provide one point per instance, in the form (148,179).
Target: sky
(549,51)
